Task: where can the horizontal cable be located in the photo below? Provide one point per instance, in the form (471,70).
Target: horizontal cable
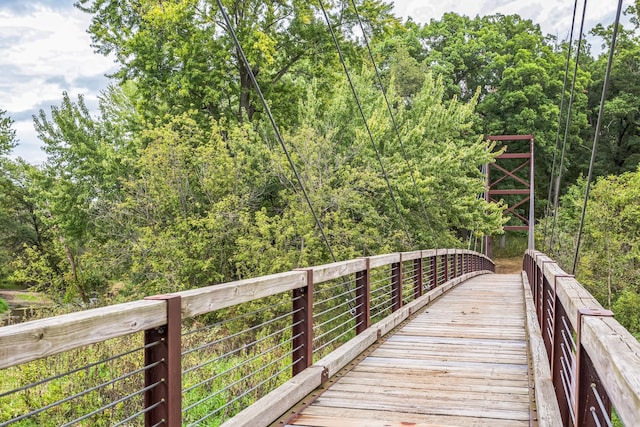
(114,403)
(237,334)
(231,352)
(240,316)
(82,368)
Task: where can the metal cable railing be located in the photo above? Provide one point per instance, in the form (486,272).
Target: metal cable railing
(590,354)
(199,357)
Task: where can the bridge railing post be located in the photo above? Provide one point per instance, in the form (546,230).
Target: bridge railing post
(589,392)
(363,298)
(302,331)
(445,267)
(433,280)
(396,285)
(417,278)
(455,263)
(163,381)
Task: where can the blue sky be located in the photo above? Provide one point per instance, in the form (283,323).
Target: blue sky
(45,50)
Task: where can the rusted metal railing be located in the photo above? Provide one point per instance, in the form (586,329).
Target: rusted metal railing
(200,356)
(595,362)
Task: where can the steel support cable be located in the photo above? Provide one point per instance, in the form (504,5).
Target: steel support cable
(254,82)
(564,88)
(393,119)
(603,99)
(364,118)
(567,124)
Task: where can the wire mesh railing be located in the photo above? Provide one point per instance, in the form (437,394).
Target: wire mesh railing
(593,360)
(199,357)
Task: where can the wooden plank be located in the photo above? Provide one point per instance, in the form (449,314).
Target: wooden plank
(464,356)
(344,354)
(545,396)
(425,406)
(393,418)
(273,405)
(382,260)
(335,270)
(211,298)
(436,384)
(615,353)
(445,394)
(409,256)
(32,340)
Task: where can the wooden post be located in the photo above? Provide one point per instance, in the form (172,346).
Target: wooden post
(433,280)
(556,364)
(445,267)
(303,326)
(166,375)
(363,298)
(417,281)
(396,285)
(455,264)
(586,375)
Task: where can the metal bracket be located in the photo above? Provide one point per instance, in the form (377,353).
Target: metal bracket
(582,312)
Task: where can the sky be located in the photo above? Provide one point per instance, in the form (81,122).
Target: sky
(45,50)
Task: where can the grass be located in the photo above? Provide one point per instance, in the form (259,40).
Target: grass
(29,297)
(516,245)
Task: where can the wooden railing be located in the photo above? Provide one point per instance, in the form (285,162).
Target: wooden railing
(594,361)
(204,355)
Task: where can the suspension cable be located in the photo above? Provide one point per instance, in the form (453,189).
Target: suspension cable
(364,118)
(274,125)
(603,99)
(567,124)
(555,150)
(393,120)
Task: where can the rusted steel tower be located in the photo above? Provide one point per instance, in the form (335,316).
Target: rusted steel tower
(508,172)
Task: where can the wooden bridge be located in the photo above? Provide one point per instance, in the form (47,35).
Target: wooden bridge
(425,338)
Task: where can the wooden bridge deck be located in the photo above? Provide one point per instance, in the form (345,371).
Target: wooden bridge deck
(463,361)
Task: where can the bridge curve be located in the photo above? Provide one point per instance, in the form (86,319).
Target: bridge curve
(247,352)
(462,360)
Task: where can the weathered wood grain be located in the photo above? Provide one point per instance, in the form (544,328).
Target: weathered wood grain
(545,396)
(28,341)
(326,272)
(615,353)
(204,300)
(273,405)
(461,361)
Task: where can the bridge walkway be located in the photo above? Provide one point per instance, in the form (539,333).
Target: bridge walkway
(462,361)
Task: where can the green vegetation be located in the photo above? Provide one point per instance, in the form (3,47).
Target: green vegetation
(178,181)
(609,263)
(516,243)
(3,306)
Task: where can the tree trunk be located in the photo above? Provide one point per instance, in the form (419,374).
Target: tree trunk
(74,271)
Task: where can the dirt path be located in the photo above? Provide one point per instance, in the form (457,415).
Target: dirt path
(508,265)
(17,299)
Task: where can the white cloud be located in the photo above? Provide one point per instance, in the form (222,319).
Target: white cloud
(553,16)
(45,51)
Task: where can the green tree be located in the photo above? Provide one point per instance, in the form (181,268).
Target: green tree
(619,144)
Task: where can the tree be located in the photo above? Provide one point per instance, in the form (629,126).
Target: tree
(619,145)
(181,56)
(519,74)
(609,262)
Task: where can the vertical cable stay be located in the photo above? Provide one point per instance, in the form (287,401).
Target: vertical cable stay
(393,120)
(566,128)
(555,150)
(364,118)
(603,99)
(274,125)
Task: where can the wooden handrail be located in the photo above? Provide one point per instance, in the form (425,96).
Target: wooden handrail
(29,341)
(607,356)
